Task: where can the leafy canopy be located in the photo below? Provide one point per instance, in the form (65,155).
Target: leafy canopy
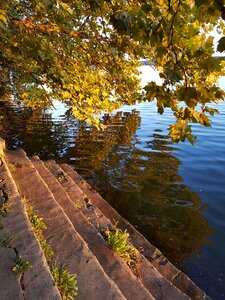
(86,54)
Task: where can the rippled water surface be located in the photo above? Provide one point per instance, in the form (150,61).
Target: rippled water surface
(174,194)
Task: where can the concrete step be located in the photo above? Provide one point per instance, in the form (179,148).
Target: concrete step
(70,249)
(78,211)
(149,276)
(150,252)
(17,237)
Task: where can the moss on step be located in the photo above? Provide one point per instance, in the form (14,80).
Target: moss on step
(66,282)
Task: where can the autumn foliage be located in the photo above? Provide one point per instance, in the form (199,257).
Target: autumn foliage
(86,53)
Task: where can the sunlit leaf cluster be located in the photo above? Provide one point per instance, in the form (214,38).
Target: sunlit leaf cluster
(86,53)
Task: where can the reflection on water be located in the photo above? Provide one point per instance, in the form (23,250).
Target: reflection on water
(146,188)
(142,183)
(134,166)
(91,147)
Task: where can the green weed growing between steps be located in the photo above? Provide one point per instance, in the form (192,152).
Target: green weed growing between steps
(38,226)
(119,242)
(3,212)
(5,241)
(21,266)
(4,209)
(66,282)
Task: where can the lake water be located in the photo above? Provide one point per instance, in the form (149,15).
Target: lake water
(173,193)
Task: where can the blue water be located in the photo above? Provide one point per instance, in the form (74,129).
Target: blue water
(173,193)
(203,170)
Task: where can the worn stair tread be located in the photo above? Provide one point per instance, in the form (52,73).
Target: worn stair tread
(116,269)
(70,249)
(152,280)
(37,282)
(177,278)
(77,196)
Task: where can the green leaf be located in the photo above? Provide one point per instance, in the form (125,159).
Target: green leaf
(199,2)
(160,110)
(221,44)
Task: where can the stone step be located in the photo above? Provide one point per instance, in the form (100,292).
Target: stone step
(153,281)
(71,250)
(17,238)
(164,267)
(74,207)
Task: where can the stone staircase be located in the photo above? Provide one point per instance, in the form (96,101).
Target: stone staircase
(77,219)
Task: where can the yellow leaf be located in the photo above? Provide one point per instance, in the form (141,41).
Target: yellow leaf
(3,18)
(66,95)
(105,94)
(160,2)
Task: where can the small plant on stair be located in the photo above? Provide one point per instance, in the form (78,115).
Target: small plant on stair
(36,222)
(157,253)
(5,241)
(3,212)
(119,241)
(4,209)
(12,166)
(21,266)
(66,282)
(61,176)
(79,205)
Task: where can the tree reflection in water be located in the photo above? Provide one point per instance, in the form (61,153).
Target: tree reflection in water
(139,177)
(145,187)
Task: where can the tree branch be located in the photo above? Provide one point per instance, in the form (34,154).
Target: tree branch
(48,29)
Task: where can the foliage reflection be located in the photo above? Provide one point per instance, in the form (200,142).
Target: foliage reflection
(139,178)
